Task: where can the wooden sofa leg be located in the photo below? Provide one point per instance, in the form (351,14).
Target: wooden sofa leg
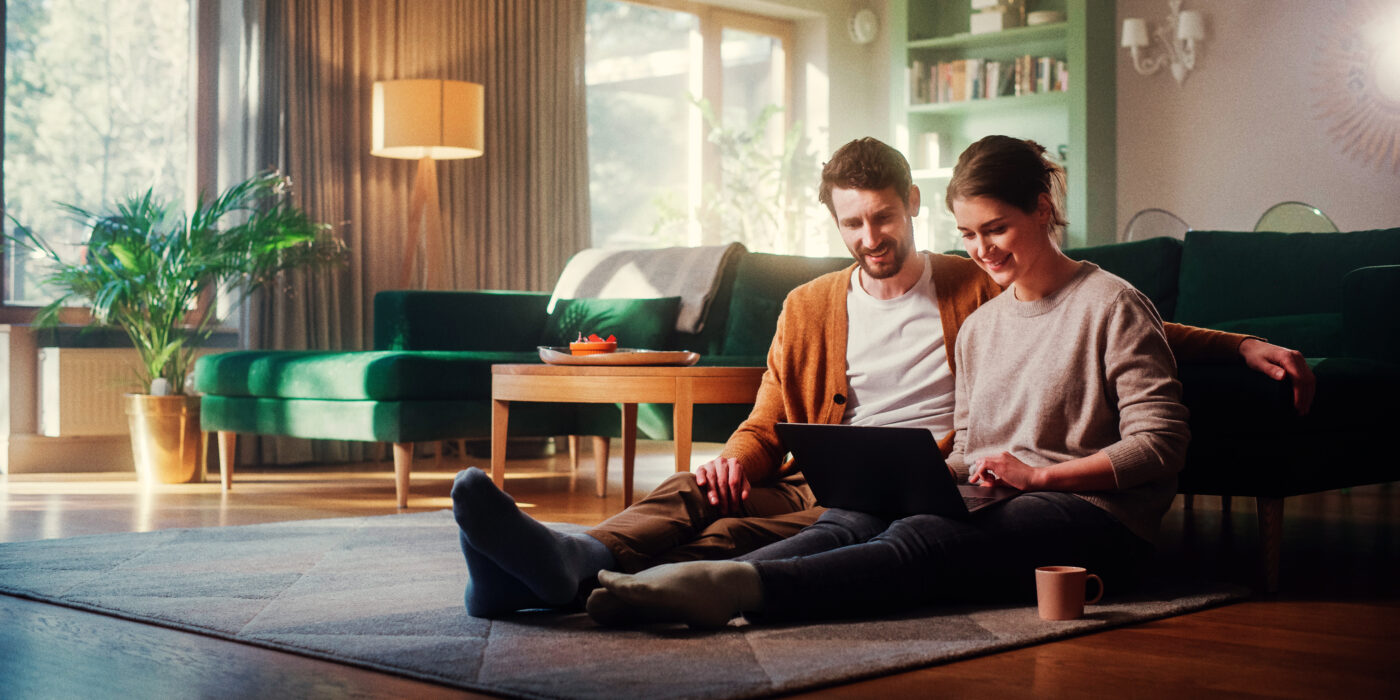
(1270,539)
(403,465)
(228,456)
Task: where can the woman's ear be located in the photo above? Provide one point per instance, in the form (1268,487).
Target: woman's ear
(1044,209)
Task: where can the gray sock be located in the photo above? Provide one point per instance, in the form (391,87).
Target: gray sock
(705,594)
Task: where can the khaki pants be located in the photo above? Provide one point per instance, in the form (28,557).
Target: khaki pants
(676,522)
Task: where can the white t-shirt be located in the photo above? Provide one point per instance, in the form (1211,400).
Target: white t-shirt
(896,361)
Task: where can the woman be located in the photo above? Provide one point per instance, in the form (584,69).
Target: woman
(1066,390)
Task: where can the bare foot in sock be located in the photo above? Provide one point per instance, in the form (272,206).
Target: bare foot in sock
(492,592)
(551,565)
(702,594)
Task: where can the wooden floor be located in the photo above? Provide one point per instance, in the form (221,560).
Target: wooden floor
(1333,632)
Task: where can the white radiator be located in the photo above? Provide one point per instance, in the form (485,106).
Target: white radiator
(80,390)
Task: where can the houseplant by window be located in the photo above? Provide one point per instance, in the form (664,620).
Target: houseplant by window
(146,269)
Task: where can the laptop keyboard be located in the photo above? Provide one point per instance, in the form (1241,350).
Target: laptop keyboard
(978,501)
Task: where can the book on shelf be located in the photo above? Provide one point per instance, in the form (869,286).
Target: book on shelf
(983,79)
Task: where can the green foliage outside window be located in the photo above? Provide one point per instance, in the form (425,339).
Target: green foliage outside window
(96,107)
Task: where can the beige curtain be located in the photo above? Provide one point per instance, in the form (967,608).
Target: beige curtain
(511,218)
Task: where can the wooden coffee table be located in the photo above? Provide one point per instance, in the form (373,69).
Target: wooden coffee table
(683,387)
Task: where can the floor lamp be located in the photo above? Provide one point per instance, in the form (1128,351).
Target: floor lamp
(427,121)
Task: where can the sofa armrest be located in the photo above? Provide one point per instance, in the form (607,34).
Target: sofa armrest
(477,320)
(1370,320)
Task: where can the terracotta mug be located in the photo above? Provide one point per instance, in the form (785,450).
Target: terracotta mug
(1060,591)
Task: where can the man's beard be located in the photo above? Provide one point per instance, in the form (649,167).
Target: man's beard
(885,270)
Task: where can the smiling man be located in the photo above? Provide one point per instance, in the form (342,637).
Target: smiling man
(868,345)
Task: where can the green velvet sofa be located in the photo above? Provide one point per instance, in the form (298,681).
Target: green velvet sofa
(429,376)
(1332,296)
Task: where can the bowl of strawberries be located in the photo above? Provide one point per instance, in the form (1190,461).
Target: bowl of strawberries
(593,345)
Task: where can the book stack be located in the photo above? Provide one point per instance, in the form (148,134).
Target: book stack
(983,79)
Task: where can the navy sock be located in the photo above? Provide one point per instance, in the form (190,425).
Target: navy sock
(491,592)
(552,565)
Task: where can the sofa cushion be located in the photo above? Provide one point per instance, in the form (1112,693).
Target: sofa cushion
(1152,266)
(763,282)
(1369,320)
(1246,440)
(1314,335)
(637,323)
(1227,276)
(349,376)
(446,320)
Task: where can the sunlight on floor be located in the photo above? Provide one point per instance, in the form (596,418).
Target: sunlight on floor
(43,506)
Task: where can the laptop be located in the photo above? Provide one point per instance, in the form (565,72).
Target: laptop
(891,472)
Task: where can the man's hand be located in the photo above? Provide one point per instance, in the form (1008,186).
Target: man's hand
(1278,363)
(726,483)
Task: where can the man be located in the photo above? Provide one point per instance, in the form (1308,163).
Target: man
(868,345)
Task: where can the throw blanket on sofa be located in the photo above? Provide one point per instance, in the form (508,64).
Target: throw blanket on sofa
(692,274)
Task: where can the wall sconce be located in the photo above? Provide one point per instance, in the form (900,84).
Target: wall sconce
(1179,35)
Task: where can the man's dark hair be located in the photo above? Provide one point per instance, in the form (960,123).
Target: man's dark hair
(865,164)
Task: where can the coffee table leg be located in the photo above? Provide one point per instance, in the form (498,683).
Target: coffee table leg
(500,418)
(682,420)
(629,450)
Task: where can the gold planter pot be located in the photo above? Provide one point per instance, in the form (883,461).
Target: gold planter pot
(166,441)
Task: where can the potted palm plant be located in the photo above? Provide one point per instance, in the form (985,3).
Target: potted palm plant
(146,269)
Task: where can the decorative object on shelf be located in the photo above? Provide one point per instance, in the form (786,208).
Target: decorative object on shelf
(427,121)
(1035,19)
(1357,69)
(1178,37)
(990,16)
(863,26)
(147,266)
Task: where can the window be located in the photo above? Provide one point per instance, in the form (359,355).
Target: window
(689,135)
(97,106)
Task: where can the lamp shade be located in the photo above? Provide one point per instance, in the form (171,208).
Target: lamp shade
(1191,26)
(438,119)
(1134,32)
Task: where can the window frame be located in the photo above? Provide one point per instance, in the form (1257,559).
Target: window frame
(708,83)
(203,133)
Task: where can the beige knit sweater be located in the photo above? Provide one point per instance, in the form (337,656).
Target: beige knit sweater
(1082,371)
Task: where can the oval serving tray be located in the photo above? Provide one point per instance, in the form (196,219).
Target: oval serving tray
(622,357)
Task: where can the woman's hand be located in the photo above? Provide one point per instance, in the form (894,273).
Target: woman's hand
(1003,470)
(1092,473)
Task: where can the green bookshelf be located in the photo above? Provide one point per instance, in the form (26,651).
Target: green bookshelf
(1077,124)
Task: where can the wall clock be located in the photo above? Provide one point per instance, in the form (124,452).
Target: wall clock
(863,26)
(1358,81)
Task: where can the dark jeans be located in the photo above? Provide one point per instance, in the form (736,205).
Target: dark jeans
(851,563)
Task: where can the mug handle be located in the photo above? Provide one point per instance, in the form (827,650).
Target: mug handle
(1094,577)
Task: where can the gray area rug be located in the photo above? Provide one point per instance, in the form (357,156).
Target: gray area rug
(386,593)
